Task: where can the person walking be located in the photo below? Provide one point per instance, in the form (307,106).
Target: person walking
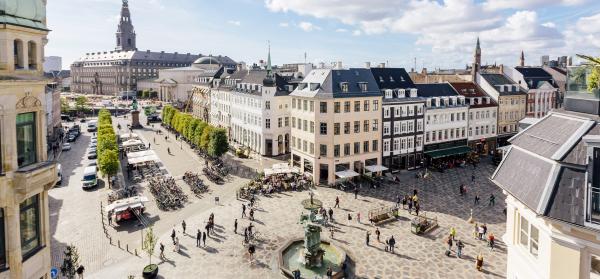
(109,217)
(198,238)
(398,201)
(392,243)
(349,219)
(404,200)
(476,202)
(460,189)
(251,214)
(480,231)
(173,235)
(162,251)
(330,214)
(417,208)
(491,239)
(377,234)
(80,271)
(479,262)
(449,243)
(246,235)
(207,228)
(358,217)
(475,230)
(453,233)
(243,210)
(183,226)
(337,202)
(176,246)
(459,246)
(235,227)
(204,239)
(331,230)
(484,226)
(368,237)
(356,192)
(410,205)
(492,200)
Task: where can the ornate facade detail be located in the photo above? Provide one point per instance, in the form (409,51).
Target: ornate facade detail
(28,102)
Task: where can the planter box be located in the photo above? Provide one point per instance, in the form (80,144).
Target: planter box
(150,271)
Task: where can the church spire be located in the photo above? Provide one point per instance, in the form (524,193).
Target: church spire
(269,78)
(522,59)
(476,60)
(125,32)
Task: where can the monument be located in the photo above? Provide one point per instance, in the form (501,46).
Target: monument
(313,254)
(135,115)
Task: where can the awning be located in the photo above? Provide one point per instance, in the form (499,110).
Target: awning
(346,174)
(133,202)
(448,152)
(376,168)
(128,136)
(281,169)
(140,154)
(132,143)
(138,160)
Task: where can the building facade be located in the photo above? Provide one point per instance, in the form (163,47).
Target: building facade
(483,118)
(542,91)
(402,119)
(337,130)
(511,103)
(26,175)
(115,71)
(445,121)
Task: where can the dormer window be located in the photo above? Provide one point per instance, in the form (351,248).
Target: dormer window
(391,79)
(388,93)
(344,86)
(401,93)
(413,93)
(362,86)
(381,79)
(315,86)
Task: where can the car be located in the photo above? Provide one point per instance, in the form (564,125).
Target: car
(82,120)
(93,145)
(92,154)
(90,177)
(59,174)
(71,138)
(93,141)
(66,146)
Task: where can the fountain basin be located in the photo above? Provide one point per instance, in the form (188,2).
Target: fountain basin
(290,258)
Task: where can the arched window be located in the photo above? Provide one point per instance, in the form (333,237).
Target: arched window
(32,55)
(18,54)
(128,42)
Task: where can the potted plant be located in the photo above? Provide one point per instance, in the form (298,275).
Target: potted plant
(151,270)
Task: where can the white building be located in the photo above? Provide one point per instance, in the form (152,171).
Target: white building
(52,64)
(542,91)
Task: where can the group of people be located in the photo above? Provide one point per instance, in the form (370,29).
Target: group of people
(409,202)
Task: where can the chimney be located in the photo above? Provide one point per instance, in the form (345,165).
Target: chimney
(424,71)
(321,65)
(339,65)
(368,65)
(501,68)
(238,67)
(381,65)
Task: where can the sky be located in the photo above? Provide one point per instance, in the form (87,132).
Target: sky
(402,33)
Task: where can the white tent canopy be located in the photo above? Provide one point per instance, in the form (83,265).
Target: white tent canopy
(376,168)
(129,136)
(132,142)
(347,174)
(143,159)
(142,153)
(133,202)
(281,168)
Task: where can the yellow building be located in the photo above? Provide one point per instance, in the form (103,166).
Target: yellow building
(25,174)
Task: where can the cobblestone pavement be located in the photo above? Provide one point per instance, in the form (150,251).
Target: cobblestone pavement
(277,220)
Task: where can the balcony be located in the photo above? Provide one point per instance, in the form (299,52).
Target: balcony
(35,178)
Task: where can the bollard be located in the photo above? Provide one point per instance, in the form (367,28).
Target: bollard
(110,240)
(127,247)
(119,243)
(136,252)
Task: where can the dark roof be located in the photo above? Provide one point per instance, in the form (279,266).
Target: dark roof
(392,78)
(566,201)
(501,83)
(472,90)
(533,72)
(353,77)
(497,79)
(435,90)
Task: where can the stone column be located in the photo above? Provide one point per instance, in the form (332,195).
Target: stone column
(13,241)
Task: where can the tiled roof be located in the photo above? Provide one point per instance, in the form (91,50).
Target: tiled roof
(435,90)
(472,90)
(392,78)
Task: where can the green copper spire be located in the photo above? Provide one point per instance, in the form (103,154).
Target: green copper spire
(269,67)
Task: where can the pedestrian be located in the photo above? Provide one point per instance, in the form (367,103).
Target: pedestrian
(410,205)
(330,214)
(154,140)
(476,200)
(479,262)
(337,202)
(176,246)
(356,192)
(377,233)
(492,200)
(358,217)
(148,145)
(251,251)
(480,232)
(491,241)
(251,214)
(453,233)
(484,226)
(243,210)
(183,226)
(392,243)
(349,218)
(417,208)
(449,242)
(473,176)
(368,237)
(162,250)
(198,238)
(475,230)
(204,239)
(404,200)
(80,271)
(398,201)
(329,272)
(169,151)
(207,228)
(459,246)
(331,230)
(109,217)
(460,189)
(246,235)
(173,235)
(235,227)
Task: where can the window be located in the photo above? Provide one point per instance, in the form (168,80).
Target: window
(346,149)
(299,124)
(287,121)
(305,125)
(30,226)
(375,146)
(280,122)
(323,150)
(356,147)
(356,127)
(386,128)
(366,126)
(365,146)
(336,128)
(386,146)
(375,105)
(346,127)
(305,105)
(366,105)
(396,146)
(336,107)
(304,146)
(344,86)
(26,145)
(363,86)
(336,150)
(323,107)
(267,104)
(386,112)
(534,234)
(293,103)
(529,236)
(347,106)
(312,127)
(356,106)
(312,106)
(375,124)
(268,123)
(311,150)
(323,128)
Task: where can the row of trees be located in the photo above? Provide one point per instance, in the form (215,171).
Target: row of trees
(206,137)
(107,147)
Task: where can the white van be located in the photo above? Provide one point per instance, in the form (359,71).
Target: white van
(92,126)
(90,177)
(59,174)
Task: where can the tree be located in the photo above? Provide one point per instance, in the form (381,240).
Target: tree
(593,79)
(189,132)
(205,138)
(107,142)
(109,163)
(64,105)
(218,144)
(198,132)
(70,262)
(149,243)
(80,103)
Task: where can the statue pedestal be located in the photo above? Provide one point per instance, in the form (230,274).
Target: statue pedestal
(135,119)
(314,259)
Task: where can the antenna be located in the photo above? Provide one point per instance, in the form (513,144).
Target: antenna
(415,64)
(305,57)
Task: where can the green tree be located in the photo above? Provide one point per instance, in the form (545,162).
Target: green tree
(106,142)
(189,132)
(149,243)
(593,78)
(64,105)
(205,138)
(80,103)
(70,262)
(108,163)
(198,132)
(218,144)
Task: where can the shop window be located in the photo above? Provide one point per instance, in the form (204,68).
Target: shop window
(30,226)
(26,141)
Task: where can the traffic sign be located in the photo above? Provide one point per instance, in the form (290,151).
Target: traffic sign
(54,273)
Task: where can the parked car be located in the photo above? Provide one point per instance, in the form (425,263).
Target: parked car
(59,174)
(82,120)
(90,178)
(93,145)
(92,154)
(66,146)
(71,138)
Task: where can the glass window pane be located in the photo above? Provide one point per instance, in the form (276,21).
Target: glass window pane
(534,235)
(524,228)
(26,149)
(30,232)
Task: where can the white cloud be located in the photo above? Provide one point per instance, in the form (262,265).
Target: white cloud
(308,26)
(356,33)
(234,22)
(341,30)
(524,4)
(584,36)
(589,24)
(284,24)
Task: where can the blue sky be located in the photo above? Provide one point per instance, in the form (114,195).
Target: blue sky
(439,34)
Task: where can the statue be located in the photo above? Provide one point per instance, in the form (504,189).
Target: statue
(313,254)
(134,104)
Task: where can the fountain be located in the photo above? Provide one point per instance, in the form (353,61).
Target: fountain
(311,256)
